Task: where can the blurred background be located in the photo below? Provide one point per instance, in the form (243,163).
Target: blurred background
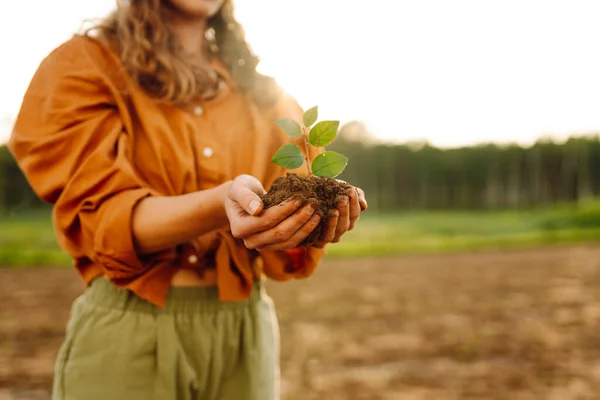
(473,127)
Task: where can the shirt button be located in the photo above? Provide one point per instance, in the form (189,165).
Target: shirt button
(193,259)
(198,110)
(208,152)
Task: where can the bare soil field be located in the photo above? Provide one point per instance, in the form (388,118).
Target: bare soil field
(492,325)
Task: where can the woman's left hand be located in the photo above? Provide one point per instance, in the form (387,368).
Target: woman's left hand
(344,218)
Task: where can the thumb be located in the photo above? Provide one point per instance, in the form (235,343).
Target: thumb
(245,191)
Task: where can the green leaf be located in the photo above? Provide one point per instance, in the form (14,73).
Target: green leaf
(291,127)
(310,116)
(288,156)
(329,164)
(323,133)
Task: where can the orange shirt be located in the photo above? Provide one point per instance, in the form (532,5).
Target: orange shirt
(93,144)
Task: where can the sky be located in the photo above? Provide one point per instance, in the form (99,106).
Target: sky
(453,73)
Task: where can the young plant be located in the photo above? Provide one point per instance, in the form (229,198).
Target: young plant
(328,164)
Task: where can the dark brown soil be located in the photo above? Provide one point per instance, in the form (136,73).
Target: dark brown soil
(326,191)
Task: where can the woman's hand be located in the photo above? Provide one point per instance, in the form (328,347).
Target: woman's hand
(278,228)
(344,218)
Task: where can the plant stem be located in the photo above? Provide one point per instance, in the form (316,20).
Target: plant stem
(305,137)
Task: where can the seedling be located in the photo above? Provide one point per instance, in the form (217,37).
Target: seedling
(319,186)
(328,164)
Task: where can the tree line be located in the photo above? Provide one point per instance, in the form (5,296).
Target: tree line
(486,176)
(421,176)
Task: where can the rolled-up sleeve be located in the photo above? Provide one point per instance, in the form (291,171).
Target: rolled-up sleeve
(72,141)
(114,220)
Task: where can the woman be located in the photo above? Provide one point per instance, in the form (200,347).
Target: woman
(151,135)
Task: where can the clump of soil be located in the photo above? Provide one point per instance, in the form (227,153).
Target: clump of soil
(325,191)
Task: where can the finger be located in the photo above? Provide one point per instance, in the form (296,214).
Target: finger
(283,231)
(361,199)
(354,208)
(242,228)
(329,233)
(297,237)
(344,219)
(245,191)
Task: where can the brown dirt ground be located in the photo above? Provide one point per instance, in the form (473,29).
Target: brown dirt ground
(494,325)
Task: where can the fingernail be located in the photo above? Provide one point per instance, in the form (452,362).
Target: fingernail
(293,202)
(343,201)
(254,204)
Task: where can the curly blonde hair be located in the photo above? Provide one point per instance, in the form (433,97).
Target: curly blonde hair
(149,52)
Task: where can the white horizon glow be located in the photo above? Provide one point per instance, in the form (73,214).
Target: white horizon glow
(452,73)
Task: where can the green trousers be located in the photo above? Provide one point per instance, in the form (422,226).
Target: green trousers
(120,347)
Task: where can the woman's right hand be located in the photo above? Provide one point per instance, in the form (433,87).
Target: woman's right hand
(280,227)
